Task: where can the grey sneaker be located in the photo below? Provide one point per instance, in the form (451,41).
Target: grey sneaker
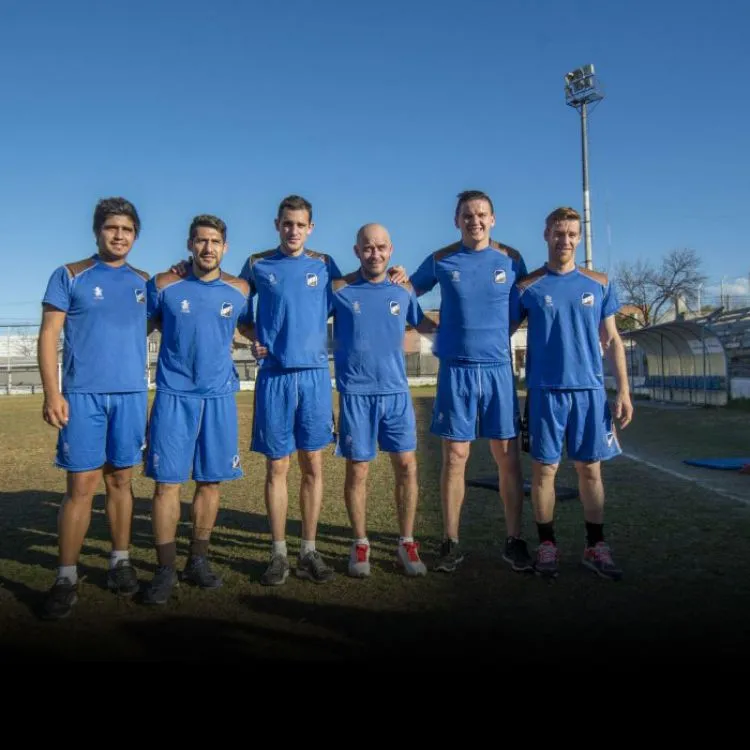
(359,561)
(599,559)
(547,556)
(277,571)
(122,579)
(60,600)
(517,554)
(313,567)
(160,588)
(407,557)
(198,572)
(450,556)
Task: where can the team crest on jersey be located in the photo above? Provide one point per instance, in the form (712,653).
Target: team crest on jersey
(499,276)
(394,307)
(455,275)
(140,296)
(271,278)
(98,292)
(185,306)
(311,279)
(226,309)
(587,299)
(547,300)
(356,307)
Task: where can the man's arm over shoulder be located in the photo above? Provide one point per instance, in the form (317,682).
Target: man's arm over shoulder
(165,279)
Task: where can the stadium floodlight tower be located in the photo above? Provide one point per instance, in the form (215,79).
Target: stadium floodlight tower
(582,90)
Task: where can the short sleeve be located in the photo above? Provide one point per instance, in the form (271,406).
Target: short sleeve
(610,303)
(246,318)
(414,313)
(521,269)
(247,274)
(517,312)
(424,277)
(58,290)
(333,270)
(153,300)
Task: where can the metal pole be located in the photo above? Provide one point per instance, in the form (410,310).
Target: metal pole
(586,203)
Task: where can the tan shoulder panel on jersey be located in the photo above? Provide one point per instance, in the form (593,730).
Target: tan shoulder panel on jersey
(74,269)
(530,278)
(316,254)
(142,274)
(601,278)
(447,250)
(255,257)
(166,278)
(511,252)
(239,284)
(350,278)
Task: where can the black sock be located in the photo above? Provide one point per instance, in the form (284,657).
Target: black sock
(594,533)
(199,548)
(546,532)
(167,554)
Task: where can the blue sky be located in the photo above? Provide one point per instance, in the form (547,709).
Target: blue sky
(378,111)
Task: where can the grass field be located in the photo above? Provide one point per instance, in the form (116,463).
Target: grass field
(685,550)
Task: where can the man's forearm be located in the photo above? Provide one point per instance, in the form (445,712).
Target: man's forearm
(48,362)
(616,356)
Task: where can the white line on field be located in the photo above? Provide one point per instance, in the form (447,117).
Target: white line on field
(687,478)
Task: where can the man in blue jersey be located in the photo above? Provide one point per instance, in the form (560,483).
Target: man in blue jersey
(193,424)
(293,395)
(99,303)
(370,315)
(571,321)
(476,395)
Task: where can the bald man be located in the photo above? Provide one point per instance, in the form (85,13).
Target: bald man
(370,315)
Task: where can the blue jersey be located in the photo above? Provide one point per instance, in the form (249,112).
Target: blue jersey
(564,312)
(475,290)
(369,324)
(197,320)
(293,301)
(104,349)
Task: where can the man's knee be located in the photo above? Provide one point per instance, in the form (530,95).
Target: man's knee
(118,479)
(277,468)
(589,471)
(404,465)
(455,454)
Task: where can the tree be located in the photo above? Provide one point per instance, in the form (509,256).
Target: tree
(652,289)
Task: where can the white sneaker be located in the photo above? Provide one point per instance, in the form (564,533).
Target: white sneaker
(359,560)
(408,558)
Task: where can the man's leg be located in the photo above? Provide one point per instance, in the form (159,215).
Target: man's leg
(121,577)
(313,431)
(548,417)
(591,440)
(165,516)
(173,429)
(81,451)
(407,495)
(355,497)
(452,493)
(510,479)
(216,460)
(277,502)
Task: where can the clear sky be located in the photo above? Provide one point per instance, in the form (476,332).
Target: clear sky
(375,111)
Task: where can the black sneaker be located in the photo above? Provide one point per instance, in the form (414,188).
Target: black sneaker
(277,571)
(450,557)
(122,579)
(313,567)
(60,600)
(198,572)
(517,554)
(160,588)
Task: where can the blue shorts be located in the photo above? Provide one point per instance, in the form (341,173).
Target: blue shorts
(193,434)
(293,410)
(475,401)
(366,422)
(103,428)
(582,418)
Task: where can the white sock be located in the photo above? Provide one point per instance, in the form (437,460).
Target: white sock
(405,539)
(306,547)
(116,555)
(68,571)
(363,540)
(279,548)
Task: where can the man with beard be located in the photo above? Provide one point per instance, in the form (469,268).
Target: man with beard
(193,424)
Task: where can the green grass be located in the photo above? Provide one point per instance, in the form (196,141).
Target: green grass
(684,550)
